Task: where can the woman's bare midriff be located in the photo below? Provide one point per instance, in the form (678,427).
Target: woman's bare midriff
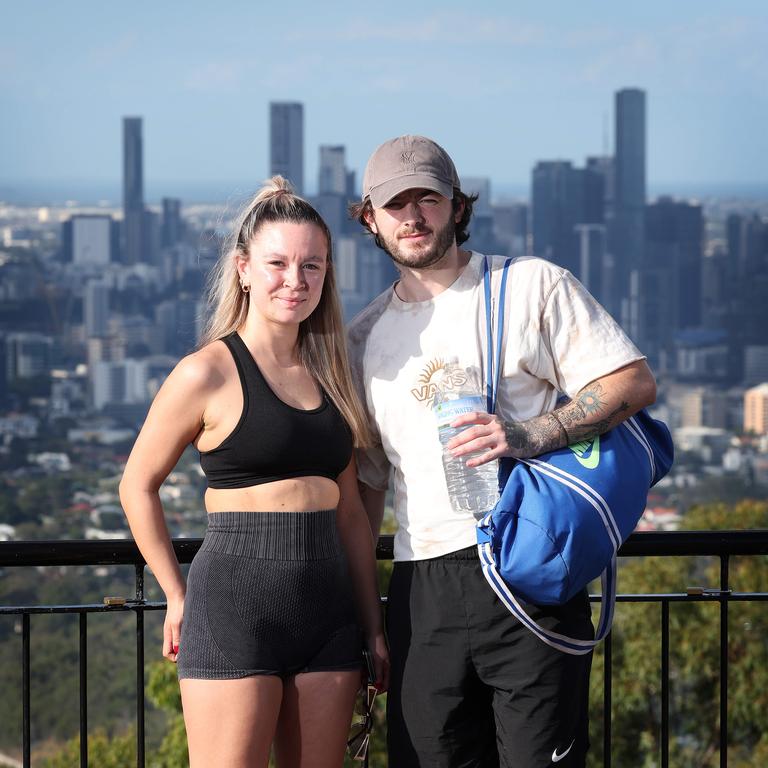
(298,494)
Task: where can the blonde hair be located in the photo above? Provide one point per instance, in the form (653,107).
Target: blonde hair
(321,340)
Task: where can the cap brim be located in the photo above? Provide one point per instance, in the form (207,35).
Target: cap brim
(382,194)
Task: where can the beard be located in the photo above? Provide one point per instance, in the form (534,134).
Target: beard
(422,256)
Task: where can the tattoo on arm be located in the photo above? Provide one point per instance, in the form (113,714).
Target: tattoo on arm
(588,431)
(564,426)
(535,436)
(587,404)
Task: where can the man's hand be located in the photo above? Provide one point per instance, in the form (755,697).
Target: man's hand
(494,438)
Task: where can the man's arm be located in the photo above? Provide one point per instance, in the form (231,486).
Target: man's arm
(595,409)
(373,501)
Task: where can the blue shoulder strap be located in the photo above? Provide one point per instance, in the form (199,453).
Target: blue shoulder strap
(484,546)
(493,355)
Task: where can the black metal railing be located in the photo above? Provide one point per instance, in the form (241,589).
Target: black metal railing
(720,544)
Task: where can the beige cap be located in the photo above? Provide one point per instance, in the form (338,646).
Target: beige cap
(408,162)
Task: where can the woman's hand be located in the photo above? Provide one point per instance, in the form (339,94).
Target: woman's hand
(174,615)
(378,648)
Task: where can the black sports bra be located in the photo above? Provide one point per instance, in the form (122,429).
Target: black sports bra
(274,440)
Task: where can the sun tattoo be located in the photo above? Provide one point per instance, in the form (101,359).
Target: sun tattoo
(590,400)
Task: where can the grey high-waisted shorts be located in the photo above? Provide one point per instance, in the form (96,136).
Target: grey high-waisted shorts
(268,593)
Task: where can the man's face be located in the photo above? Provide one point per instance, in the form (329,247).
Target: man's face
(416,228)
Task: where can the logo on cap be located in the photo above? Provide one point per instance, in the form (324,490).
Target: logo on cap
(408,159)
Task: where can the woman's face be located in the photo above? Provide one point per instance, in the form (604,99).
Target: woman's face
(285,268)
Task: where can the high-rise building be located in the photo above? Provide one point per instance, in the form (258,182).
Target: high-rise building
(755,363)
(332,176)
(604,167)
(351,188)
(482,236)
(704,407)
(27,355)
(88,239)
(747,245)
(630,147)
(510,228)
(756,410)
(286,142)
(746,310)
(674,245)
(96,309)
(172,225)
(594,268)
(333,193)
(553,215)
(627,235)
(362,270)
(119,383)
(133,191)
(562,197)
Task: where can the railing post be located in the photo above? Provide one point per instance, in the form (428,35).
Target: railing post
(664,684)
(139,568)
(83,690)
(26,741)
(607,697)
(139,667)
(724,587)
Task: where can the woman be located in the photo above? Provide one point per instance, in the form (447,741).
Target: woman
(266,633)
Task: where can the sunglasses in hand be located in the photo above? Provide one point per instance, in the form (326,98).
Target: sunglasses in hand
(360,733)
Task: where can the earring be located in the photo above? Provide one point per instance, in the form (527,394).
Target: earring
(244,287)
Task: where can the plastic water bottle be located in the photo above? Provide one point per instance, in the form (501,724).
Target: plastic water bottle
(471,489)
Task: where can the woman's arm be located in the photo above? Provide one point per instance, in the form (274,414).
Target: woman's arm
(174,419)
(373,502)
(357,540)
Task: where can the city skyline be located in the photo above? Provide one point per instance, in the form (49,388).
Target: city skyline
(500,88)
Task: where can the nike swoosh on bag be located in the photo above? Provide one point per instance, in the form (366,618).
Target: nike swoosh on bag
(581,449)
(557,758)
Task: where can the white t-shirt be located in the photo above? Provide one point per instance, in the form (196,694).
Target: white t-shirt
(557,339)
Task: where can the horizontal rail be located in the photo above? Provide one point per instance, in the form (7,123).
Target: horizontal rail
(125,551)
(134,605)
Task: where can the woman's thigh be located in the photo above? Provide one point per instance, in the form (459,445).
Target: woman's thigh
(231,723)
(314,720)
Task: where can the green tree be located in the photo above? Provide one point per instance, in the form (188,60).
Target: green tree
(694,656)
(103,751)
(163,692)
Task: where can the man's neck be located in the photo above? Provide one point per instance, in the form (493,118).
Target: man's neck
(424,284)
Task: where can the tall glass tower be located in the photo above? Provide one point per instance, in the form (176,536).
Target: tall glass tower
(286,142)
(133,191)
(628,231)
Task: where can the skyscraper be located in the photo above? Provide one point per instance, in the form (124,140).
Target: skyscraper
(630,148)
(562,197)
(482,234)
(96,309)
(670,296)
(88,239)
(627,237)
(133,191)
(172,226)
(286,142)
(332,177)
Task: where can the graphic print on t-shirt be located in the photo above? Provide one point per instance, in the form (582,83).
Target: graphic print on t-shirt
(438,377)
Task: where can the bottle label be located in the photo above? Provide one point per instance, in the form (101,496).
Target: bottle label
(448,410)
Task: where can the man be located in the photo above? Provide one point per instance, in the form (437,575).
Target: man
(470,686)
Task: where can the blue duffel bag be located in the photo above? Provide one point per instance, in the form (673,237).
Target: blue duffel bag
(562,516)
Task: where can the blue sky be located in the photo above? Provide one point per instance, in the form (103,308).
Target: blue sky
(499,84)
